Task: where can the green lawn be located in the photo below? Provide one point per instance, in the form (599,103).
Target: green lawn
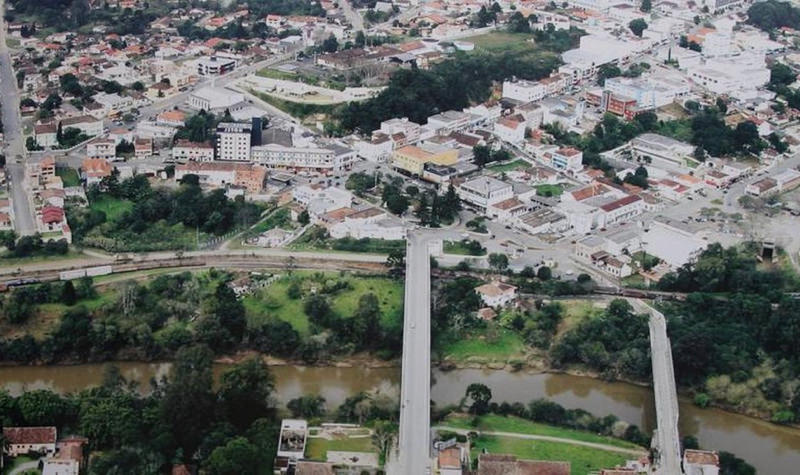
(506,167)
(461,249)
(276,74)
(502,41)
(496,423)
(315,239)
(494,344)
(549,190)
(273,301)
(317,448)
(69,176)
(18,261)
(583,460)
(112,207)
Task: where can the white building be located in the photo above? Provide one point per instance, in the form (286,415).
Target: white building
(620,210)
(233,141)
(214,99)
(194,151)
(738,76)
(87,124)
(101,148)
(60,466)
(660,150)
(566,158)
(214,65)
(496,294)
(292,439)
(410,130)
(371,223)
(510,129)
(484,191)
(595,50)
(23,440)
(673,242)
(650,92)
(319,199)
(113,103)
(327,159)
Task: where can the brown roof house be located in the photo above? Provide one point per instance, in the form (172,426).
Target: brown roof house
(496,294)
(23,440)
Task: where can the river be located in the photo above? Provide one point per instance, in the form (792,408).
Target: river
(772,449)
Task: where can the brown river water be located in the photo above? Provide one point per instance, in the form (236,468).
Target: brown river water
(772,449)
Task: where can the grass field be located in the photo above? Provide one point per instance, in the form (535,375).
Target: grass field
(112,207)
(496,423)
(273,301)
(317,447)
(69,176)
(461,249)
(492,345)
(276,74)
(311,240)
(575,311)
(583,460)
(502,41)
(507,167)
(549,190)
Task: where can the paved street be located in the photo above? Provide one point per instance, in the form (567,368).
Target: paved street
(14,140)
(415,399)
(352,15)
(666,435)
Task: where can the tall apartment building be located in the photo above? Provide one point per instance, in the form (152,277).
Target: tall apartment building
(233,141)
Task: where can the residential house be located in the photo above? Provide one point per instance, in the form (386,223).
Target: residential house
(23,440)
(192,151)
(101,148)
(496,294)
(412,158)
(700,462)
(484,192)
(46,135)
(93,170)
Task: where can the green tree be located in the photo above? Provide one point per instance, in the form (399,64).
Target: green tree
(646,6)
(303,218)
(245,392)
(187,408)
(307,407)
(41,407)
(480,395)
(68,296)
(544,273)
(498,261)
(330,45)
(237,457)
(637,26)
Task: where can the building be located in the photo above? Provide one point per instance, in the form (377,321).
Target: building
(171,118)
(143,148)
(530,91)
(700,462)
(484,191)
(497,464)
(567,158)
(673,242)
(327,159)
(412,159)
(371,223)
(510,129)
(233,141)
(660,150)
(292,439)
(496,294)
(184,150)
(59,466)
(46,135)
(87,124)
(215,65)
(620,210)
(215,100)
(101,148)
(402,131)
(93,170)
(649,92)
(23,440)
(222,174)
(762,187)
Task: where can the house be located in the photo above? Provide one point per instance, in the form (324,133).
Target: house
(487,314)
(171,118)
(484,191)
(45,135)
(101,148)
(93,170)
(87,124)
(762,187)
(143,148)
(371,223)
(566,158)
(496,294)
(510,129)
(23,440)
(700,462)
(184,150)
(412,159)
(450,459)
(59,466)
(502,464)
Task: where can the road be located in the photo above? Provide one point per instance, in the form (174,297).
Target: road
(415,397)
(517,435)
(667,440)
(352,15)
(13,137)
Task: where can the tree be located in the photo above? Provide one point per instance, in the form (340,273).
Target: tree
(68,296)
(637,26)
(187,407)
(781,75)
(383,435)
(544,273)
(41,407)
(646,6)
(237,457)
(330,45)
(245,392)
(480,395)
(307,407)
(773,14)
(481,155)
(397,203)
(606,71)
(518,23)
(498,261)
(396,260)
(303,218)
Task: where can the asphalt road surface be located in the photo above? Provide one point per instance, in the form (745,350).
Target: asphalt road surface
(415,410)
(13,138)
